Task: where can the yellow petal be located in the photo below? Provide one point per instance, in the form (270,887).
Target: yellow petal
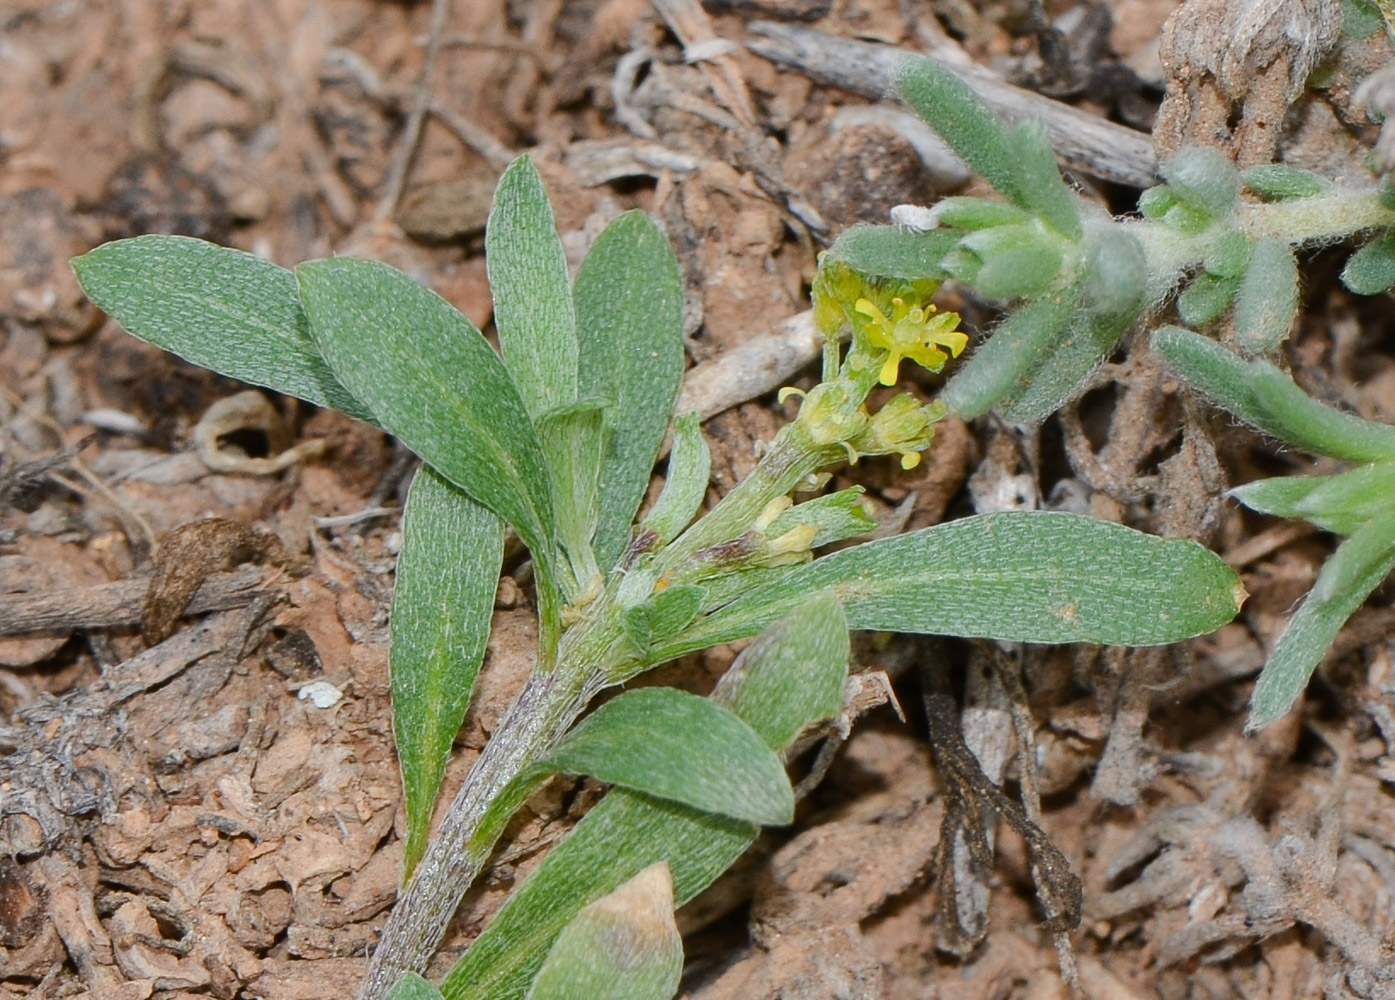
(910,460)
(888,374)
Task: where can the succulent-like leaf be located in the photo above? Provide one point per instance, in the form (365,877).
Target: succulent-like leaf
(663,615)
(229,311)
(1229,256)
(1028,576)
(1017,260)
(964,121)
(788,678)
(1266,303)
(837,516)
(573,438)
(1279,182)
(1004,362)
(447,573)
(1044,191)
(533,309)
(978,213)
(1205,178)
(677,746)
(1205,298)
(1371,270)
(894,252)
(1358,566)
(624,946)
(629,306)
(1266,398)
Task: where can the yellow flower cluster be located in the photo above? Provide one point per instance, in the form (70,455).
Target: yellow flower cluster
(920,333)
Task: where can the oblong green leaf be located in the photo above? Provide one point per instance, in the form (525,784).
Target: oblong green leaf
(1002,363)
(788,678)
(1340,503)
(533,309)
(1266,303)
(629,305)
(1279,182)
(226,310)
(685,485)
(1028,576)
(1113,296)
(1266,398)
(1044,191)
(1302,421)
(434,381)
(1017,260)
(1347,579)
(674,745)
(964,121)
(624,946)
(1371,270)
(978,213)
(447,573)
(1205,298)
(894,251)
(1205,178)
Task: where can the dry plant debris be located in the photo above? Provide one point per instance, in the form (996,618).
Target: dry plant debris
(177,821)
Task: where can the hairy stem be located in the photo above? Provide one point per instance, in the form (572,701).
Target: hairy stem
(538,717)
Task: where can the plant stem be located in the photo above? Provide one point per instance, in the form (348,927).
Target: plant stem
(537,718)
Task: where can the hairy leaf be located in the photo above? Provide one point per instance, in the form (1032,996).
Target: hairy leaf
(1355,569)
(533,309)
(674,745)
(433,381)
(624,946)
(788,678)
(447,573)
(1028,576)
(629,306)
(223,309)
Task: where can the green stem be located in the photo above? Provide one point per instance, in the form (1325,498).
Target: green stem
(1325,218)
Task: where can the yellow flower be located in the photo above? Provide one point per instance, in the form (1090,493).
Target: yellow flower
(915,332)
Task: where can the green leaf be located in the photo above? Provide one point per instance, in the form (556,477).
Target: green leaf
(685,485)
(664,614)
(1044,191)
(629,306)
(624,946)
(1004,362)
(1266,303)
(223,309)
(1205,298)
(978,213)
(1266,398)
(1278,182)
(1302,421)
(1340,503)
(1204,178)
(533,309)
(434,381)
(1229,256)
(894,252)
(964,121)
(1347,579)
(1017,261)
(1114,295)
(412,987)
(837,516)
(573,439)
(447,573)
(1361,18)
(1155,202)
(677,746)
(1371,270)
(1027,576)
(787,679)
